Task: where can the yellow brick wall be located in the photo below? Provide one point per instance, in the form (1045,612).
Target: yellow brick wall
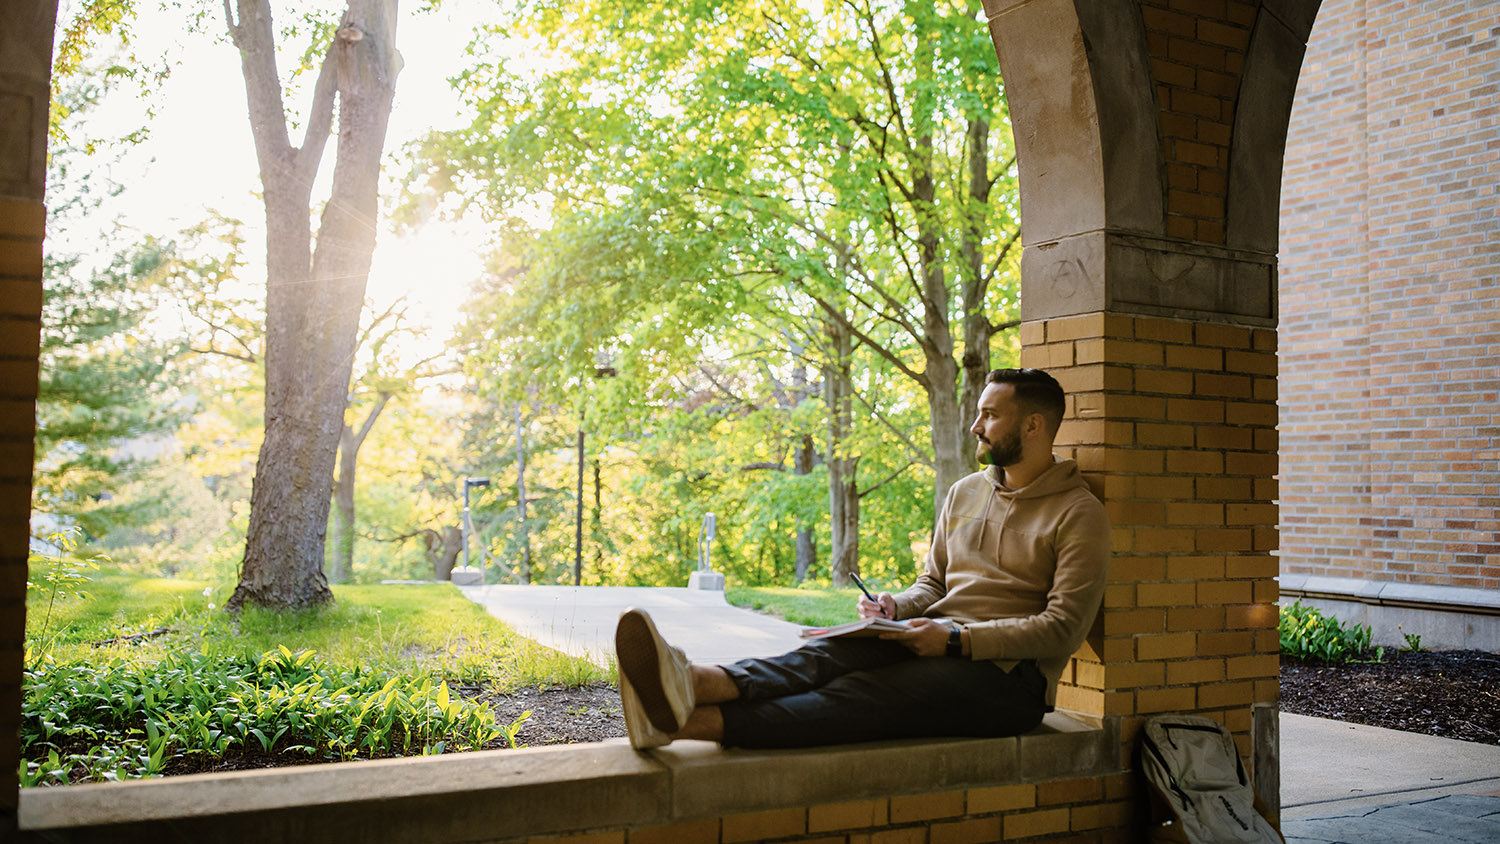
(1087,811)
(1174,423)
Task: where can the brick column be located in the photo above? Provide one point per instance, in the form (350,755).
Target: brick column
(1174,422)
(25,72)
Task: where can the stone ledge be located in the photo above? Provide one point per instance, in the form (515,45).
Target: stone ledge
(512,794)
(1390,593)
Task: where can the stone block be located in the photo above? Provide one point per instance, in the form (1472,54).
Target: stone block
(707,580)
(467,576)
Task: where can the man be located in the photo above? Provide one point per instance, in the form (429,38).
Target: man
(1010,588)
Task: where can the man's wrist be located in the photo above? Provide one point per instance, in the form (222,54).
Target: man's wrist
(956,635)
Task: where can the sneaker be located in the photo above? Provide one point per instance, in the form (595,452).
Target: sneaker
(643,736)
(658,675)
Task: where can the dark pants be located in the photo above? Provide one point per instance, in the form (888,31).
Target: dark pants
(835,691)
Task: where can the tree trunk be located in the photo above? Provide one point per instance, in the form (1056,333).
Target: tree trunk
(843,486)
(949,461)
(443,549)
(977,326)
(343,493)
(313,300)
(807,547)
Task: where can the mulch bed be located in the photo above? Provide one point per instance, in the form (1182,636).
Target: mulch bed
(1453,694)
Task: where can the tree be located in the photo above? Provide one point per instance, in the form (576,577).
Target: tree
(835,174)
(314,294)
(107,390)
(381,380)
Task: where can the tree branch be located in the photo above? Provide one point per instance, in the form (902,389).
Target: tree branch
(913,453)
(319,121)
(861,493)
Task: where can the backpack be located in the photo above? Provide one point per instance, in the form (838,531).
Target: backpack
(1197,786)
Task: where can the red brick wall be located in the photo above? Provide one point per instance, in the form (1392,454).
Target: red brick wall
(1390,297)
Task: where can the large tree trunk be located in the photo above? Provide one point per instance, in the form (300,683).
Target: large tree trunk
(977,326)
(948,436)
(343,492)
(313,300)
(843,482)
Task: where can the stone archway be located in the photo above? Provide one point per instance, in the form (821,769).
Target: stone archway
(1150,142)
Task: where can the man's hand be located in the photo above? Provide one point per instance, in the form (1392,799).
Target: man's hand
(923,637)
(885,609)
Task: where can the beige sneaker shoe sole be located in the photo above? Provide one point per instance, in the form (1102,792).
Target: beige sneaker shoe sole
(640,650)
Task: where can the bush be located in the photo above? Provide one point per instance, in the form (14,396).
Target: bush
(1308,634)
(125,719)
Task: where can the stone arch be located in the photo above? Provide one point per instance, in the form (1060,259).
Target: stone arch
(1149,140)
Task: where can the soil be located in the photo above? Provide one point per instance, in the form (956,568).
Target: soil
(1453,694)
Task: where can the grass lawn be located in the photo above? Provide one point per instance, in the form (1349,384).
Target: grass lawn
(396,628)
(806,606)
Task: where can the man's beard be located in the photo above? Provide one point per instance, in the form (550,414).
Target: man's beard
(1006,453)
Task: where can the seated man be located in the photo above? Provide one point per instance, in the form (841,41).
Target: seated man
(1010,588)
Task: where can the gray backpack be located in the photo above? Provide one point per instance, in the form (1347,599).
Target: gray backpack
(1197,786)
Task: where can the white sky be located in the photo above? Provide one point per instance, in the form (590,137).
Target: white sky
(200,155)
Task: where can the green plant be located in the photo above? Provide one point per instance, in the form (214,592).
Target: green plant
(1413,640)
(1307,633)
(59,574)
(124,719)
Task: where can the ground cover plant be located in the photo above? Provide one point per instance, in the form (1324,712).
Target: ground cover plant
(132,676)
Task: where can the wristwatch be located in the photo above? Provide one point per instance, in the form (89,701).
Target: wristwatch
(955,640)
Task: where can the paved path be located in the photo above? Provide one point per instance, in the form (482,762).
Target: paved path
(1352,784)
(1340,783)
(581,620)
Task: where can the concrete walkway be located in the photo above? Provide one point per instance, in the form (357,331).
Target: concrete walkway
(1340,783)
(581,620)
(1352,784)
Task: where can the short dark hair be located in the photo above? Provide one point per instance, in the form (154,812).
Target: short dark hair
(1035,391)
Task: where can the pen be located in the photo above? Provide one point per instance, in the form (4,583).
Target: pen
(861,585)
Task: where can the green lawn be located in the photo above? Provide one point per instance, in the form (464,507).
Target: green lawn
(399,628)
(807,606)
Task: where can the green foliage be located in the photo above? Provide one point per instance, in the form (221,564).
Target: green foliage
(368,676)
(58,573)
(84,721)
(737,208)
(1307,633)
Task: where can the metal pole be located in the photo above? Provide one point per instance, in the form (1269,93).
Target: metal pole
(578,522)
(466,523)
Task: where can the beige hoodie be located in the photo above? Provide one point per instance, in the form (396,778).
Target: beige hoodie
(1023,569)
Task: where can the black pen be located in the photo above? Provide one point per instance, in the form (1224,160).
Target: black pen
(861,585)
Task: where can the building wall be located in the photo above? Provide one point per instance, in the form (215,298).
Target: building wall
(1390,297)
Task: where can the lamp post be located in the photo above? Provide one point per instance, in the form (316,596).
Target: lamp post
(601,370)
(469,483)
